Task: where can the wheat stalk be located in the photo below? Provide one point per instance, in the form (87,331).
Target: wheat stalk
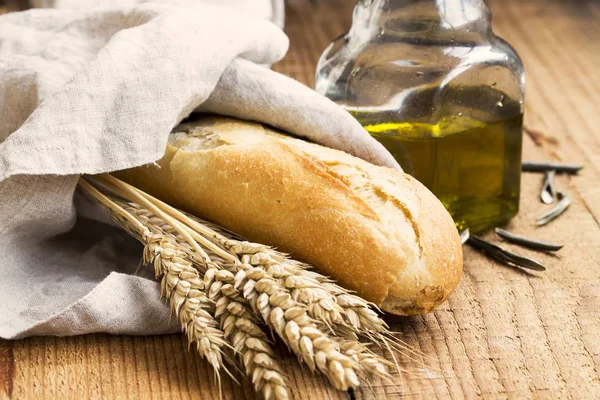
(180,284)
(243,280)
(193,299)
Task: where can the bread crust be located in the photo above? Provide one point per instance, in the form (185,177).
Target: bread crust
(375,230)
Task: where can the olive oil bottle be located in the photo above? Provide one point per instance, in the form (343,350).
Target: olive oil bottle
(431,82)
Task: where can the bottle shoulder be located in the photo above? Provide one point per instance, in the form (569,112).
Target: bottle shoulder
(416,60)
(410,53)
(395,67)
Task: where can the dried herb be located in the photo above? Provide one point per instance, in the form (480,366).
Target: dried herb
(504,256)
(530,243)
(548,194)
(529,166)
(554,212)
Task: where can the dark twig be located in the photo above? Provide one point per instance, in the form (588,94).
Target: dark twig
(530,166)
(530,243)
(504,256)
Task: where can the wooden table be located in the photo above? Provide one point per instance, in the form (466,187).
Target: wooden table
(502,334)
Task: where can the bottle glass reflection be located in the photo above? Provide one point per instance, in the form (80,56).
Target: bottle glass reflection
(432,83)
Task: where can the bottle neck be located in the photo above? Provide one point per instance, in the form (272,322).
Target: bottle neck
(433,18)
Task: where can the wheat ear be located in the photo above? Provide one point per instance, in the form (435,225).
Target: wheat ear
(257,267)
(188,299)
(291,322)
(289,319)
(248,339)
(180,284)
(345,314)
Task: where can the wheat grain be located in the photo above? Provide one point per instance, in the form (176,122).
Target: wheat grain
(182,286)
(289,319)
(248,339)
(369,362)
(325,300)
(302,286)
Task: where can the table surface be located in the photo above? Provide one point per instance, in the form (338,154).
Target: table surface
(502,334)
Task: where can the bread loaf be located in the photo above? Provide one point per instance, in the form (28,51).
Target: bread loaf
(374,230)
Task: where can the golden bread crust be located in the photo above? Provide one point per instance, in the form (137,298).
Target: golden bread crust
(374,230)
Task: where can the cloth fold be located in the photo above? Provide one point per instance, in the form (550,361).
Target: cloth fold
(91,90)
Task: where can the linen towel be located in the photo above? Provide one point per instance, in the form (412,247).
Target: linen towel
(87,89)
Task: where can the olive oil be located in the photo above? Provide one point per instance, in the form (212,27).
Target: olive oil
(473,167)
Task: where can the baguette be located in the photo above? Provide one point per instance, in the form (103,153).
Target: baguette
(374,230)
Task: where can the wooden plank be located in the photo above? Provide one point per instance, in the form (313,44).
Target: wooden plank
(502,334)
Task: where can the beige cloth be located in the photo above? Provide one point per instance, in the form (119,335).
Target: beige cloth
(90,90)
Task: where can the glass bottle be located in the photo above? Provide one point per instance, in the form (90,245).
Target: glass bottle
(430,81)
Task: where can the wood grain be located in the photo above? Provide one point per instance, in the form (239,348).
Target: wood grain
(503,333)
